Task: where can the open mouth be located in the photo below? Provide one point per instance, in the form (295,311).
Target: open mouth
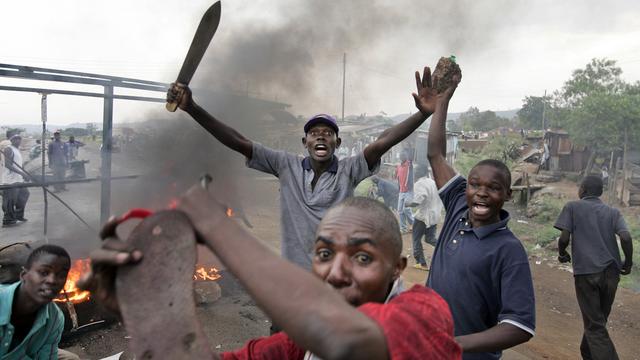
(47,293)
(321,150)
(480,208)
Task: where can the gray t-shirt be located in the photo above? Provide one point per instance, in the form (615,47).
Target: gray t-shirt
(593,226)
(301,207)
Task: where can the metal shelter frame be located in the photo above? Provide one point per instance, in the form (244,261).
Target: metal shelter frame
(109,83)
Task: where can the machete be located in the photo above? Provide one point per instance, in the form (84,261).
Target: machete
(202,38)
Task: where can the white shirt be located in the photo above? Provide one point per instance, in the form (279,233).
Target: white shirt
(425,193)
(11,177)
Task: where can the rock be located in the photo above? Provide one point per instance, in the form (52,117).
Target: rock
(442,76)
(206,292)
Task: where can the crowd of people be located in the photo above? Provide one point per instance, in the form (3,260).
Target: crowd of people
(477,299)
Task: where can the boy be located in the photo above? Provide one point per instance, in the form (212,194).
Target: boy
(479,266)
(311,185)
(597,266)
(30,323)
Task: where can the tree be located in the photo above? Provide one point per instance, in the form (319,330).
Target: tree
(530,115)
(602,110)
(474,119)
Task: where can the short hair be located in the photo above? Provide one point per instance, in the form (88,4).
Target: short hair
(502,167)
(592,185)
(385,219)
(38,252)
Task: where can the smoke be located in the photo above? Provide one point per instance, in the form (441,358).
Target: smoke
(295,53)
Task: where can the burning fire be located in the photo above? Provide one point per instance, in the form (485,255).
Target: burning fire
(202,274)
(73,294)
(79,267)
(230,212)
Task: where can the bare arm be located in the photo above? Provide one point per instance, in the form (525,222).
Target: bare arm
(499,337)
(224,133)
(426,98)
(437,146)
(390,137)
(627,249)
(314,315)
(563,243)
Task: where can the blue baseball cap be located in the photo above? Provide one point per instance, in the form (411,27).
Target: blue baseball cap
(321,119)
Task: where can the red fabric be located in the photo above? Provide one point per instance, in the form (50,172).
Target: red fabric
(417,324)
(402,174)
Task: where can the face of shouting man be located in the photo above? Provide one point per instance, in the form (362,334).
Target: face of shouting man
(358,253)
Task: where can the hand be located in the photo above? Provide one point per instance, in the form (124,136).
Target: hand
(564,257)
(427,98)
(100,280)
(204,210)
(181,94)
(626,268)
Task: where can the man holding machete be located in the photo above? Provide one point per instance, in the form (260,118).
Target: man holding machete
(310,185)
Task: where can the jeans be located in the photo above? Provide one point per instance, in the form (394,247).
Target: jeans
(13,203)
(406,217)
(420,229)
(595,293)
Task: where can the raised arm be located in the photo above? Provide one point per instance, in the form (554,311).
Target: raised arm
(437,141)
(427,96)
(314,315)
(224,133)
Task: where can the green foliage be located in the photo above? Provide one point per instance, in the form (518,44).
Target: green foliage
(530,115)
(476,120)
(75,132)
(466,161)
(600,76)
(503,148)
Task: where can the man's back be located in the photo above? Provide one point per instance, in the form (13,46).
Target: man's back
(593,226)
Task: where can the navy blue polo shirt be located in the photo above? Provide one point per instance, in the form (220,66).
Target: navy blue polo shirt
(483,273)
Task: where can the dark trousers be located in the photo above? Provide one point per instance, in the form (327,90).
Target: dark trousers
(420,229)
(59,174)
(596,293)
(13,203)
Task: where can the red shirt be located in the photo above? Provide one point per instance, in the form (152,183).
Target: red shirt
(417,324)
(402,175)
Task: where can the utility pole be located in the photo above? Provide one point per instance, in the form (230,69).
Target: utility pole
(43,149)
(344,72)
(544,108)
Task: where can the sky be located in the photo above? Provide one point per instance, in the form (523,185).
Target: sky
(292,50)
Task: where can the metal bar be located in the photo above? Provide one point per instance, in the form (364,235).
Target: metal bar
(49,183)
(43,108)
(31,70)
(79,80)
(105,166)
(81,93)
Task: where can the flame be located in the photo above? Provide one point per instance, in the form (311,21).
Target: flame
(203,274)
(81,266)
(74,294)
(230,212)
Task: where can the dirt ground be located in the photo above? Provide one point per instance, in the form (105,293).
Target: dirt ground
(234,318)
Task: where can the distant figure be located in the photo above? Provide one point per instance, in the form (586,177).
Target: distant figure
(14,200)
(73,146)
(404,176)
(35,150)
(426,216)
(58,161)
(593,226)
(387,190)
(605,175)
